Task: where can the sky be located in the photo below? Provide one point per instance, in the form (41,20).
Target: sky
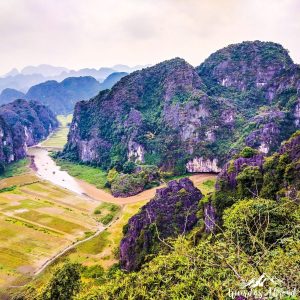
(97,33)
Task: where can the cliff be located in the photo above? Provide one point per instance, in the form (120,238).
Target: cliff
(23,124)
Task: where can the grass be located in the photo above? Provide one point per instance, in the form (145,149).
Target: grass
(94,245)
(106,212)
(98,251)
(101,249)
(207,186)
(92,175)
(16,168)
(59,138)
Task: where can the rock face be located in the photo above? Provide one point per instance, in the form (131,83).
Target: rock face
(171,212)
(200,165)
(23,124)
(183,118)
(246,65)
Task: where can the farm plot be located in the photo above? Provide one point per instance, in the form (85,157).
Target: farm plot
(38,220)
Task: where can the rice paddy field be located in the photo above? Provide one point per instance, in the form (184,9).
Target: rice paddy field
(59,138)
(38,220)
(102,250)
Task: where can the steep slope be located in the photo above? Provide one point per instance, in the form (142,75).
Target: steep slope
(171,212)
(159,115)
(262,81)
(9,95)
(251,175)
(61,97)
(23,124)
(245,66)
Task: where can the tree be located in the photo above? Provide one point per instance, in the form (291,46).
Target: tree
(64,284)
(129,167)
(249,182)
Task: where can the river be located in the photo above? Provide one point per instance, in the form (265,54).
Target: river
(47,169)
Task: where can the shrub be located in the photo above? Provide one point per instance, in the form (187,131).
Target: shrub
(112,175)
(129,167)
(64,284)
(248,152)
(107,219)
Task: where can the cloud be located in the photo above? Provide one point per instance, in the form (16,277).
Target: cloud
(94,33)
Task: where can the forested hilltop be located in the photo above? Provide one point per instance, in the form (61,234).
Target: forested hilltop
(183,119)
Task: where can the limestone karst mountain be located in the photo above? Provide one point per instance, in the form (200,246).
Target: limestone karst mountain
(183,118)
(23,124)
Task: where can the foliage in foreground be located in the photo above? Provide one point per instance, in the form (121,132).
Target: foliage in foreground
(259,239)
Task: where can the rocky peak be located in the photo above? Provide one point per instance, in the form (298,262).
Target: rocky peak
(245,65)
(171,212)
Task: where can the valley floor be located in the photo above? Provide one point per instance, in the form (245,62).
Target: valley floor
(45,211)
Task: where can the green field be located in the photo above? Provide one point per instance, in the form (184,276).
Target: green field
(16,168)
(37,220)
(207,186)
(92,175)
(59,138)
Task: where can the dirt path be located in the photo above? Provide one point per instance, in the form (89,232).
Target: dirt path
(52,259)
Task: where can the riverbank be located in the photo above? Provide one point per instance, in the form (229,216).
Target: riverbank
(47,169)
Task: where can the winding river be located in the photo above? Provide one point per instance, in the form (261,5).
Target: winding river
(46,169)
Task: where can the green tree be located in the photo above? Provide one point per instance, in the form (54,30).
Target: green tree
(64,284)
(248,152)
(249,182)
(129,167)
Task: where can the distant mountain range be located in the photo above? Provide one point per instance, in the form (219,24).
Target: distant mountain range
(61,97)
(32,75)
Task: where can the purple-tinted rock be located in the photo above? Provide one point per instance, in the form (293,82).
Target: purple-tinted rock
(23,124)
(234,167)
(171,212)
(210,217)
